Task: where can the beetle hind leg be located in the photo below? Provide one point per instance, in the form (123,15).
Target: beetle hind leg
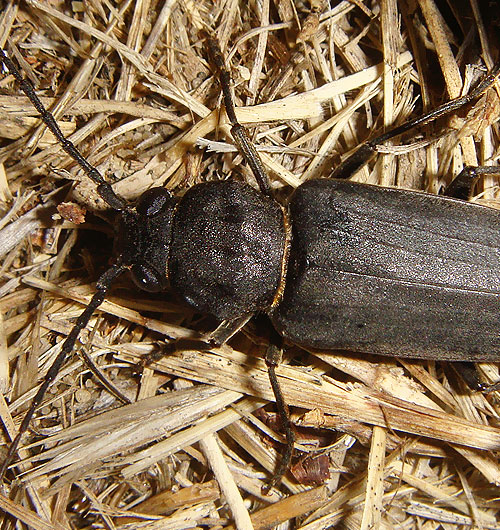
(366,151)
(462,186)
(273,359)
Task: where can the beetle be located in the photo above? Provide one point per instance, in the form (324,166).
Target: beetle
(342,265)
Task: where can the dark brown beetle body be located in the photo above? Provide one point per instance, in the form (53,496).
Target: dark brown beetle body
(227,249)
(370,269)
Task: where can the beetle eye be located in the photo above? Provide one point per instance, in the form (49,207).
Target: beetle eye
(152,201)
(146,279)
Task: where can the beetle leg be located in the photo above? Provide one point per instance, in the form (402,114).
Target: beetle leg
(218,337)
(273,359)
(487,388)
(469,373)
(163,350)
(227,329)
(462,186)
(240,134)
(363,154)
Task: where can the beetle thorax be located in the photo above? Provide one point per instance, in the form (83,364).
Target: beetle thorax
(228,243)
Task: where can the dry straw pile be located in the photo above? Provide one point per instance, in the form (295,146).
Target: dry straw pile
(398,444)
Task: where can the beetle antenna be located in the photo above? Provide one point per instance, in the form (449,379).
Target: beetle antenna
(102,286)
(240,134)
(104,189)
(363,154)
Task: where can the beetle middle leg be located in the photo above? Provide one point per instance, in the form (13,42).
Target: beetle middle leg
(273,359)
(240,135)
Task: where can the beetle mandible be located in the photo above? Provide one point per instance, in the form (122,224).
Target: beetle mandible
(332,268)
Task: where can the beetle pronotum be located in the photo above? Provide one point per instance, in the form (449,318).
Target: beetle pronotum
(117,203)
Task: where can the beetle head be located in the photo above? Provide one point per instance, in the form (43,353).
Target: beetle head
(144,236)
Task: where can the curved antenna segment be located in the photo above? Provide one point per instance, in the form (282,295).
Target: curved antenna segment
(102,286)
(104,189)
